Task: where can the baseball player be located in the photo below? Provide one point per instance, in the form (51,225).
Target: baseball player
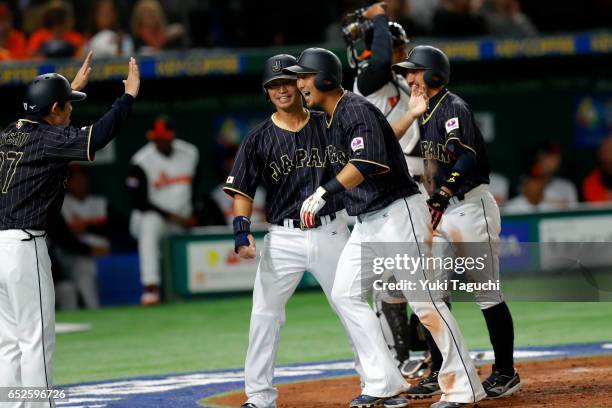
(377,188)
(34,156)
(462,208)
(286,154)
(162,183)
(386,45)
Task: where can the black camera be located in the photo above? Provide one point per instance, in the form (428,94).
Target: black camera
(355,26)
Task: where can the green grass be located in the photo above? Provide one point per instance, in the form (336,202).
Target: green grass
(206,335)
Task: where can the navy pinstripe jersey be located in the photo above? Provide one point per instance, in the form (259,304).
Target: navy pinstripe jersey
(450,118)
(360,132)
(34,157)
(290,166)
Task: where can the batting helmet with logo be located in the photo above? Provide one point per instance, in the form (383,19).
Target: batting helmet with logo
(428,58)
(273,69)
(324,63)
(47,89)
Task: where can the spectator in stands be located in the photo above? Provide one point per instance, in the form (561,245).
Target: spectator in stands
(12,42)
(504,17)
(458,18)
(531,197)
(56,39)
(597,185)
(150,30)
(87,218)
(107,38)
(399,11)
(559,193)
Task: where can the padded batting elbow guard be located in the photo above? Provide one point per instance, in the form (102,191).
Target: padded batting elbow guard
(242,229)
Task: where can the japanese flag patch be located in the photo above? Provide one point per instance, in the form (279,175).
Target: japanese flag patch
(452,124)
(230,180)
(357,144)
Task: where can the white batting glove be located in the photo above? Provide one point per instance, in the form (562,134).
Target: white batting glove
(311,206)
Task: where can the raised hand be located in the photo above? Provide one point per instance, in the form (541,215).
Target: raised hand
(132,82)
(82,76)
(375,10)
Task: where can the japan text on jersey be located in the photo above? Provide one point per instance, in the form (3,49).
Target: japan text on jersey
(34,157)
(290,165)
(362,133)
(450,120)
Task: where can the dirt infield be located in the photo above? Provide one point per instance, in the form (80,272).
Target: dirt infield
(572,382)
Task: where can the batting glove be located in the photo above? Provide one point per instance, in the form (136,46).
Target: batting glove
(311,206)
(437,204)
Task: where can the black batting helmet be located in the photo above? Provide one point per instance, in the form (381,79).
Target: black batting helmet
(398,34)
(273,69)
(46,89)
(432,60)
(322,62)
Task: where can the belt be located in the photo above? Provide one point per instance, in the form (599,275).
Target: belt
(474,192)
(319,221)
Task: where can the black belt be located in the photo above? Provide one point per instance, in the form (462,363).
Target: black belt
(298,223)
(32,236)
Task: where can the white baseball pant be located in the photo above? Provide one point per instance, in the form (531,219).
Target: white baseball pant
(27,314)
(285,254)
(473,220)
(406,220)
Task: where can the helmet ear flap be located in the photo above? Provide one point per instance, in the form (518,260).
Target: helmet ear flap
(432,79)
(324,82)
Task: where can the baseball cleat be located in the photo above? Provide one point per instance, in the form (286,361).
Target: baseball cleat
(150,296)
(428,387)
(248,405)
(412,369)
(446,404)
(396,402)
(499,385)
(366,401)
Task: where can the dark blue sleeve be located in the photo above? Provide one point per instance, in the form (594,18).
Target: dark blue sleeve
(376,72)
(107,127)
(246,173)
(459,126)
(69,143)
(366,140)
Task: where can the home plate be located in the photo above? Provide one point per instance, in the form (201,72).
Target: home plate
(71,327)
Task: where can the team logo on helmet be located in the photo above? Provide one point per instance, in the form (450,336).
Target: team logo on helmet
(277,66)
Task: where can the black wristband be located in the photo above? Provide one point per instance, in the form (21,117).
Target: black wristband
(333,186)
(242,224)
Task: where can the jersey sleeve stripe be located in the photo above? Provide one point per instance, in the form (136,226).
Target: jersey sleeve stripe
(458,140)
(384,169)
(232,191)
(90,157)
